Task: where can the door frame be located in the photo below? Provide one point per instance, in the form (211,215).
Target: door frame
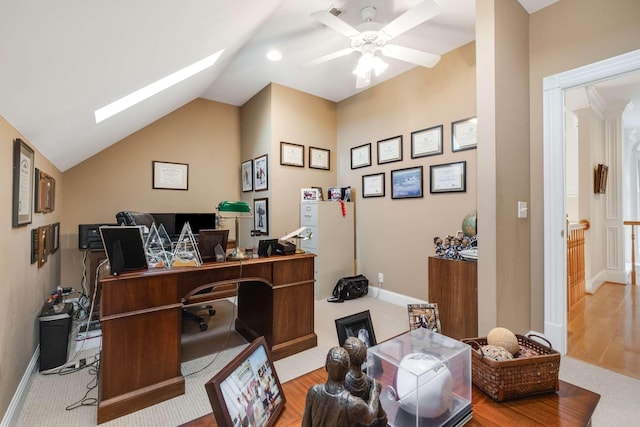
(555,243)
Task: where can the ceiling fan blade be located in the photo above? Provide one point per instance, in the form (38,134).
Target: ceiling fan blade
(408,54)
(411,18)
(362,81)
(327,18)
(329,57)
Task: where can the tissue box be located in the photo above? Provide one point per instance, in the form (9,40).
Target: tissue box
(425,378)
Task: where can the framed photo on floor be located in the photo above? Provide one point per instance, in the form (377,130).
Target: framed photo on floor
(250,373)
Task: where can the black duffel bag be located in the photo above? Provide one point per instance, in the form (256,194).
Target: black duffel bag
(351,287)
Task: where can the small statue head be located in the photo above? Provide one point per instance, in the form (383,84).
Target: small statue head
(337,363)
(356,349)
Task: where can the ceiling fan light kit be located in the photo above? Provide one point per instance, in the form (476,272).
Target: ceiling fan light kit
(371,37)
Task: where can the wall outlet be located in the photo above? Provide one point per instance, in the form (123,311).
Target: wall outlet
(380,278)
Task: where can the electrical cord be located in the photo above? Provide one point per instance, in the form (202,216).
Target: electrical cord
(83,280)
(94,369)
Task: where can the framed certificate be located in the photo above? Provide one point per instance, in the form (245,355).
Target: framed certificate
(426,142)
(390,150)
(373,185)
(319,158)
(291,154)
(361,156)
(449,177)
(170,176)
(23,182)
(463,134)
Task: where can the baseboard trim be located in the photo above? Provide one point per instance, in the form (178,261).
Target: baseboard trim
(13,411)
(393,297)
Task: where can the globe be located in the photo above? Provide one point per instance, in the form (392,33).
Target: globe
(469,224)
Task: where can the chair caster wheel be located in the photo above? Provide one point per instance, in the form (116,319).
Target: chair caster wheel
(203,326)
(212,312)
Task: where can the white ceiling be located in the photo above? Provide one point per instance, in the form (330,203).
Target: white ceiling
(61,60)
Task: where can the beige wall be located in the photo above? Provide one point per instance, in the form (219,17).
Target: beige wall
(24,287)
(564,36)
(395,237)
(203,134)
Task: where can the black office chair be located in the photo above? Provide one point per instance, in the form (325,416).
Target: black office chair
(195,299)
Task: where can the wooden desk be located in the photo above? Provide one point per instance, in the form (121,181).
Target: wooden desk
(569,406)
(141,324)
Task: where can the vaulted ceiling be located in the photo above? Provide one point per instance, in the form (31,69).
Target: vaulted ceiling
(61,60)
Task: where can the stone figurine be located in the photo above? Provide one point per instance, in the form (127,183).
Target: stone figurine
(330,404)
(357,382)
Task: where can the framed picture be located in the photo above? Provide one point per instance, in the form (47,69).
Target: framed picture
(426,142)
(291,154)
(339,193)
(373,185)
(43,245)
(261,215)
(359,325)
(390,150)
(35,248)
(319,158)
(23,166)
(463,134)
(361,156)
(55,237)
(600,181)
(406,183)
(310,194)
(320,195)
(448,177)
(231,391)
(246,170)
(260,173)
(424,316)
(45,192)
(170,176)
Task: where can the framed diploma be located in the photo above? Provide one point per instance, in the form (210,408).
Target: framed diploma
(22,183)
(426,142)
(390,150)
(361,156)
(463,134)
(291,154)
(170,176)
(449,177)
(319,158)
(373,185)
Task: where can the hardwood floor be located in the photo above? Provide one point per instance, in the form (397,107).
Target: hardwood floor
(604,329)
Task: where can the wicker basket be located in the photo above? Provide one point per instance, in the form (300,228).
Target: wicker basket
(509,379)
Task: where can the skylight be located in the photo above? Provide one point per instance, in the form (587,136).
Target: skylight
(148,91)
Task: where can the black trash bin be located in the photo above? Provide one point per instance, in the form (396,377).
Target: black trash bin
(55,327)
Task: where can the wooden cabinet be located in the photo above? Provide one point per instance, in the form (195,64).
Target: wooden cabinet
(453,285)
(332,242)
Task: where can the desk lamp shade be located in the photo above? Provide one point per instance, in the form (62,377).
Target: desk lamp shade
(235,210)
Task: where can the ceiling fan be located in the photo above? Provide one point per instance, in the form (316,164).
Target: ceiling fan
(371,37)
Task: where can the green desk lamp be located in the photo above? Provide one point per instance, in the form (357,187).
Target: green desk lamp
(236,210)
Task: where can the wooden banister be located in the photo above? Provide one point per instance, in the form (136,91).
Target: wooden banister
(633,249)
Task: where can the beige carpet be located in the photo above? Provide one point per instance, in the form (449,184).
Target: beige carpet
(48,396)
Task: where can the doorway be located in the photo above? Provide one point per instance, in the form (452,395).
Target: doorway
(555,250)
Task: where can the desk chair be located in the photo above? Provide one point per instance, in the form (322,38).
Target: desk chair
(207,293)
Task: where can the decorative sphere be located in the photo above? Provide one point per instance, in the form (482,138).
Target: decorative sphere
(496,353)
(435,385)
(470,225)
(502,337)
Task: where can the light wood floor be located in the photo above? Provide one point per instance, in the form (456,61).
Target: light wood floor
(604,329)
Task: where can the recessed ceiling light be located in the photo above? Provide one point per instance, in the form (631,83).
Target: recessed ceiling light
(274,55)
(148,91)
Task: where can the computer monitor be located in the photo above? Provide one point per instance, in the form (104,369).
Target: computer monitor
(125,248)
(208,239)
